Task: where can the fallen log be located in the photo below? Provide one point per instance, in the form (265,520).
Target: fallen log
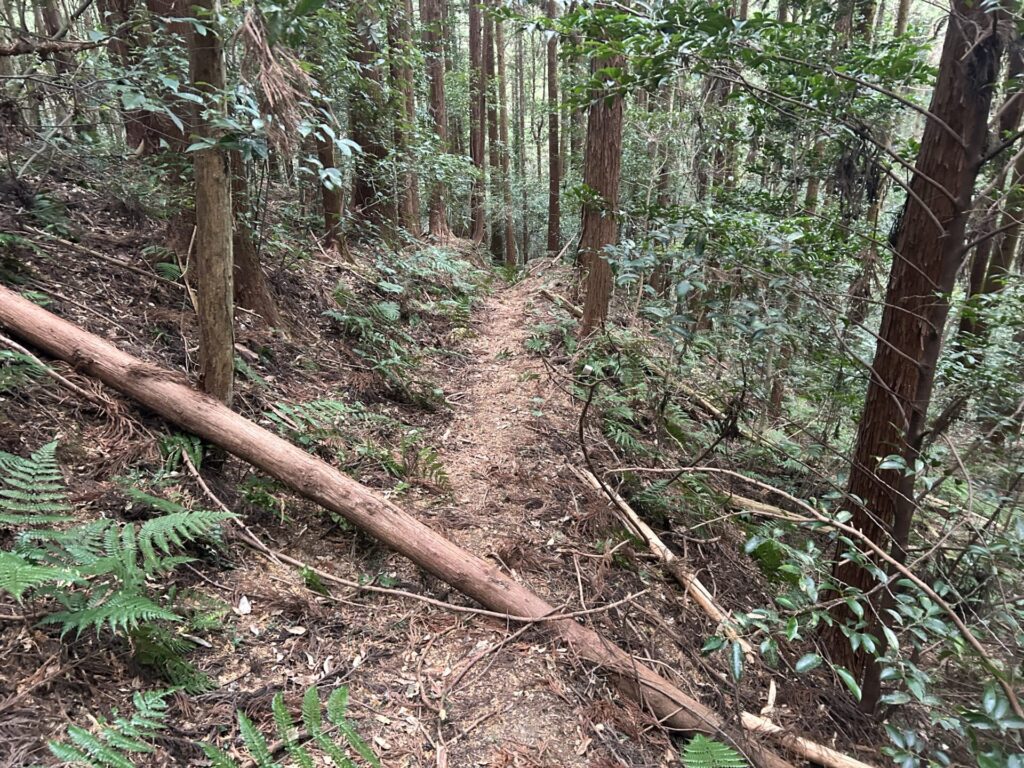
(170,395)
(686,578)
(817,753)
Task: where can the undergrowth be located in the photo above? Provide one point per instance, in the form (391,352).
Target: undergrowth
(122,742)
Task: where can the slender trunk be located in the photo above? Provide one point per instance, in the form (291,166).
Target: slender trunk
(251,289)
(987,276)
(601,171)
(506,179)
(331,194)
(554,158)
(477,106)
(497,239)
(524,237)
(814,177)
(213,218)
(902,17)
(373,192)
(430,18)
(915,314)
(403,83)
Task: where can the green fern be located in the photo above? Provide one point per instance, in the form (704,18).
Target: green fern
(97,572)
(163,651)
(702,752)
(16,370)
(18,575)
(317,739)
(112,744)
(32,490)
(175,447)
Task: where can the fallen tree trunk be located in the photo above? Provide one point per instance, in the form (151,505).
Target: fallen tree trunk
(686,578)
(815,752)
(170,395)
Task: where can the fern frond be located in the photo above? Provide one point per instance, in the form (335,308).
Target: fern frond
(121,611)
(164,652)
(256,743)
(32,490)
(18,575)
(286,732)
(704,752)
(217,757)
(112,745)
(337,706)
(16,370)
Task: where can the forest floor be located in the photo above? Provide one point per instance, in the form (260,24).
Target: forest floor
(431,684)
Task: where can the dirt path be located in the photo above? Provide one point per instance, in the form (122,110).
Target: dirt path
(509,505)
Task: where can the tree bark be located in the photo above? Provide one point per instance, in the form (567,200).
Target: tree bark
(332,197)
(430,18)
(601,171)
(554,156)
(373,192)
(165,393)
(251,289)
(403,82)
(477,107)
(214,269)
(497,238)
(524,202)
(916,309)
(902,17)
(509,238)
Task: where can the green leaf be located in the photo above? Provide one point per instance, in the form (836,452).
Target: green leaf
(849,680)
(807,662)
(736,661)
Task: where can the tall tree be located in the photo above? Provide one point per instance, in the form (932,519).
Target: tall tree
(508,236)
(404,88)
(520,142)
(332,197)
(497,239)
(477,105)
(373,193)
(602,168)
(554,156)
(251,289)
(430,18)
(928,245)
(214,269)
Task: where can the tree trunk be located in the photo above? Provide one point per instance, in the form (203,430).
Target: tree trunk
(508,237)
(165,393)
(554,158)
(902,17)
(213,256)
(373,192)
(987,273)
(497,239)
(601,170)
(404,85)
(146,131)
(916,308)
(331,194)
(251,289)
(430,18)
(477,107)
(524,202)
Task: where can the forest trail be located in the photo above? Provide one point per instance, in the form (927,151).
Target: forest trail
(511,498)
